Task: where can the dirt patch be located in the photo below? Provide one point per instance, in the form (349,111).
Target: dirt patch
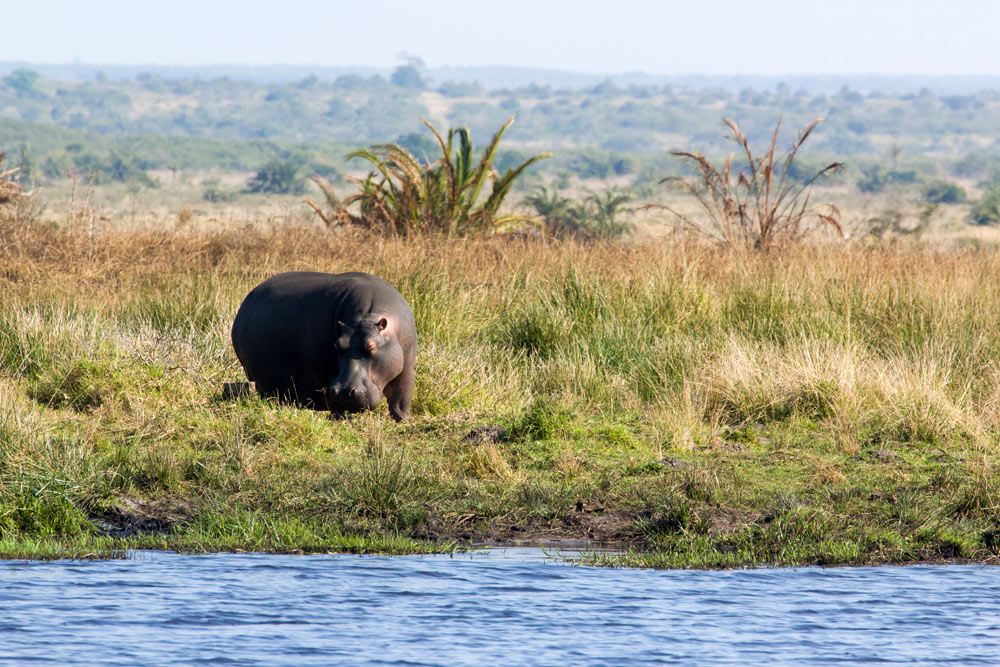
(486,435)
(577,529)
(132,516)
(671,463)
(722,521)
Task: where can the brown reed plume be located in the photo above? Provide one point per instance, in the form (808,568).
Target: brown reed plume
(10,189)
(756,205)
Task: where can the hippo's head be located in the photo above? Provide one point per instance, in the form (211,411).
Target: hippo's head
(369,356)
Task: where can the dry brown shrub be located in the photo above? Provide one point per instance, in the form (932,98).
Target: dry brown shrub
(11,191)
(757,204)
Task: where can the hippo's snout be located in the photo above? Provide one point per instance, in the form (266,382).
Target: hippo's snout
(352,397)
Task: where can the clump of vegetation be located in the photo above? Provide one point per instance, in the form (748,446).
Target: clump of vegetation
(403,196)
(888,225)
(756,204)
(10,190)
(597,216)
(280,177)
(877,178)
(17,205)
(944,192)
(217,195)
(987,210)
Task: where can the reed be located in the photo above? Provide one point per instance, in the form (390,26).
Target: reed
(758,204)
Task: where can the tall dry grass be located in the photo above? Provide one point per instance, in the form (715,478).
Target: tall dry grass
(902,340)
(596,359)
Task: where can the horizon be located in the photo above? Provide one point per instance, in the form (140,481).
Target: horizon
(493,77)
(76,62)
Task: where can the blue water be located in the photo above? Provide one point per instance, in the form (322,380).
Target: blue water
(510,606)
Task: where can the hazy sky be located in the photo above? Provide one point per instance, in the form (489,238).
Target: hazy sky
(693,36)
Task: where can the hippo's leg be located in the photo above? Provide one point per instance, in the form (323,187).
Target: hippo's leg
(286,391)
(267,387)
(399,393)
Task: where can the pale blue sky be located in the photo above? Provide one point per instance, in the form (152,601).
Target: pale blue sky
(712,37)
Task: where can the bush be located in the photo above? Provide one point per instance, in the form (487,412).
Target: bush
(16,204)
(944,192)
(757,204)
(987,209)
(407,76)
(10,190)
(876,178)
(417,144)
(217,196)
(278,177)
(403,196)
(595,217)
(22,82)
(460,89)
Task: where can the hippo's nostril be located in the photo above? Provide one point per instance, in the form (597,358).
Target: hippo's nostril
(351,392)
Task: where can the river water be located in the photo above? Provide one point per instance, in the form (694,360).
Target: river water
(512,606)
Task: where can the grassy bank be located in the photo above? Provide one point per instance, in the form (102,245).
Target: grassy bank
(701,408)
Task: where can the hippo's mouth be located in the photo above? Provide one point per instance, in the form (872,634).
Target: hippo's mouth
(343,402)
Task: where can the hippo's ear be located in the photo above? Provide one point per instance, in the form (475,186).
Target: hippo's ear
(338,327)
(382,324)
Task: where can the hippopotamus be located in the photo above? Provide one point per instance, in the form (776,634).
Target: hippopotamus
(336,342)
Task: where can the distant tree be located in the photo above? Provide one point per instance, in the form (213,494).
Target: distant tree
(944,192)
(973,165)
(150,81)
(22,81)
(590,166)
(623,165)
(987,209)
(419,145)
(510,104)
(339,109)
(279,177)
(217,196)
(349,81)
(509,160)
(876,178)
(606,88)
(849,96)
(536,91)
(460,89)
(407,76)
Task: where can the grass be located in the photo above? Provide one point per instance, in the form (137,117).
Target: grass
(700,407)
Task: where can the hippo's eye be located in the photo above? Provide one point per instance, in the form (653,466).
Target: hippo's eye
(382,324)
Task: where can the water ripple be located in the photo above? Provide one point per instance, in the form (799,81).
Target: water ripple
(510,607)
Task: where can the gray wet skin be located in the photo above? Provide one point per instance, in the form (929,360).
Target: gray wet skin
(336,342)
